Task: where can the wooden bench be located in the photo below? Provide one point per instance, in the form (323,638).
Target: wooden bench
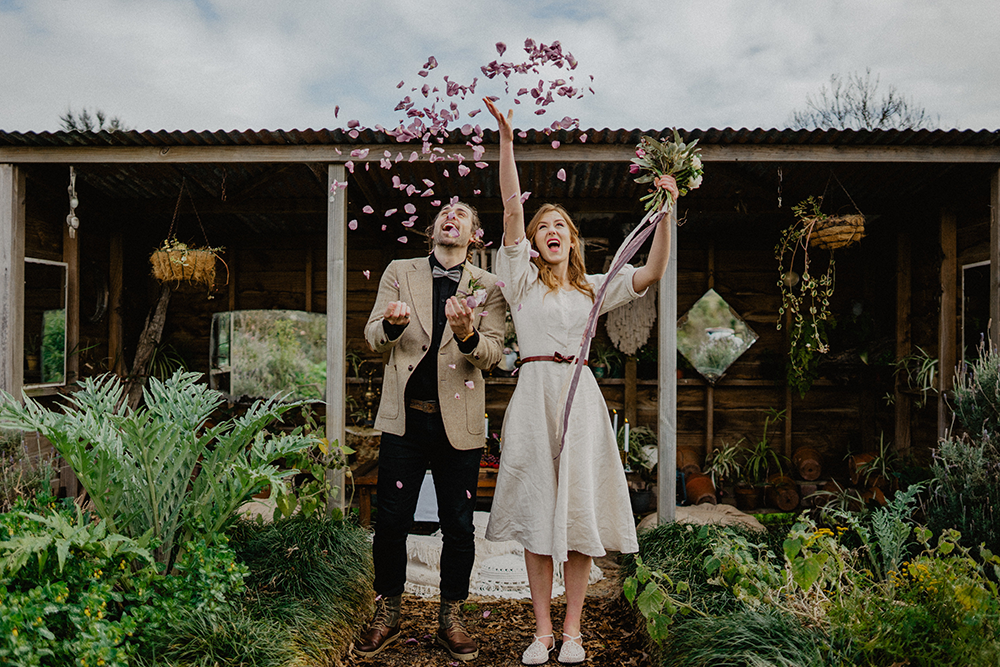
(366,482)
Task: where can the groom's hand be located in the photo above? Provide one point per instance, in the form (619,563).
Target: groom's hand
(397,312)
(459,317)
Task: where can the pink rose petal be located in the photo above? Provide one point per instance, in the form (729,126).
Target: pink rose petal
(501,283)
(451,366)
(367,274)
(436,202)
(486,614)
(524,196)
(390,212)
(410,209)
(383,227)
(468,494)
(470,384)
(399,484)
(482,165)
(463,170)
(368,209)
(583,138)
(353,224)
(533,253)
(561,174)
(556,144)
(402,239)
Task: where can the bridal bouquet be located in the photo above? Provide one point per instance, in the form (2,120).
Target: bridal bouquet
(656,158)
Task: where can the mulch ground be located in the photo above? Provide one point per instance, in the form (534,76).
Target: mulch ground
(503,629)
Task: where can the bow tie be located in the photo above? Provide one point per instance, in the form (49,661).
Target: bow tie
(452,274)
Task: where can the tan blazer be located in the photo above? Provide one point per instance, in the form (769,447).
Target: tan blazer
(463,409)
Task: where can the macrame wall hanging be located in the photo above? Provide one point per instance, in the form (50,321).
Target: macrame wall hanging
(629,325)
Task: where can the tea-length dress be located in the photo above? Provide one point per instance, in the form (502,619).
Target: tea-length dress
(579,500)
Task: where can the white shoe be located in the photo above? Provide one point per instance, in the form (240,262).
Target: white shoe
(537,653)
(571,651)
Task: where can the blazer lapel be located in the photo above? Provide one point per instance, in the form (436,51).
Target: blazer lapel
(421,286)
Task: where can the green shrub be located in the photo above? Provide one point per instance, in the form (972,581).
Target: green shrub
(965,494)
(158,469)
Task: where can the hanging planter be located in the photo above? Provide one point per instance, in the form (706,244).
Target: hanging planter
(175,263)
(839,231)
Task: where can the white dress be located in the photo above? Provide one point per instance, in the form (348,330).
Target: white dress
(578,501)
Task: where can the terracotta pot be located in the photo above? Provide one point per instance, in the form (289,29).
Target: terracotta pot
(875,494)
(807,461)
(700,489)
(746,497)
(782,492)
(856,465)
(689,459)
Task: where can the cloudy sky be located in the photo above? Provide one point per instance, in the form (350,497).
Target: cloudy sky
(287,64)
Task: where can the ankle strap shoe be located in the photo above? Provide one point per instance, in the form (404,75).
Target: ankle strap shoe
(572,652)
(537,652)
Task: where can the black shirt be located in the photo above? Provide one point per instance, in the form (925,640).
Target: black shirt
(424,380)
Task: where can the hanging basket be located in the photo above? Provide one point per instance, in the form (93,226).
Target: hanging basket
(832,232)
(191,266)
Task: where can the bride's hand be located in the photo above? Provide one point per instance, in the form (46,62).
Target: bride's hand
(668,183)
(504,127)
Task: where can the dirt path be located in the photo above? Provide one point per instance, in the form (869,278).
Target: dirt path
(503,629)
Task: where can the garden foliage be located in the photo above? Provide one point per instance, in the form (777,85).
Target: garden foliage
(162,470)
(862,590)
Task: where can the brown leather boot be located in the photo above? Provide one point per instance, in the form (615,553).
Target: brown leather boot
(452,634)
(384,628)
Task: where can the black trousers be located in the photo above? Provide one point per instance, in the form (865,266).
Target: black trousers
(403,462)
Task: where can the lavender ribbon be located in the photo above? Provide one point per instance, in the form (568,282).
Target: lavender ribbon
(626,251)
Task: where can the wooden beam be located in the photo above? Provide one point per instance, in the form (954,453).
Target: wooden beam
(904,342)
(309,278)
(12,225)
(336,325)
(666,503)
(947,323)
(526,153)
(995,260)
(71,255)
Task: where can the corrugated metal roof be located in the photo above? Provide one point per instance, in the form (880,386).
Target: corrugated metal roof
(724,136)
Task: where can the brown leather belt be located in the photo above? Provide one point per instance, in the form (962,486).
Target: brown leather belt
(430,407)
(558,358)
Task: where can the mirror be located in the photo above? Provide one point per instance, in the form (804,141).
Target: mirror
(711,335)
(260,353)
(45,291)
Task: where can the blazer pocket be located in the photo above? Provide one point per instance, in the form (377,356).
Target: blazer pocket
(389,403)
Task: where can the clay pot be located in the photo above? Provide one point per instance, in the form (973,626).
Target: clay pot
(689,459)
(782,492)
(746,497)
(856,465)
(700,489)
(875,494)
(807,461)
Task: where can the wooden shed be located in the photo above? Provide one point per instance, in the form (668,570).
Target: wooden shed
(926,275)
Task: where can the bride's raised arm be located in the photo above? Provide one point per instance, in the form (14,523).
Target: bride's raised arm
(510,188)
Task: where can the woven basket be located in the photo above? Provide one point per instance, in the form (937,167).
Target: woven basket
(837,231)
(184,266)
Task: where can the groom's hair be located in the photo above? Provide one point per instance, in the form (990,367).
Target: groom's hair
(476,243)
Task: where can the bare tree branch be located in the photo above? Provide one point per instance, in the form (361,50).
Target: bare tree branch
(858,102)
(84,121)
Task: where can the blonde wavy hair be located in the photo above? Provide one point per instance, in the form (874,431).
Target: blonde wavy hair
(577,272)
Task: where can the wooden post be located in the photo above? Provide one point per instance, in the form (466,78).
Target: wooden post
(947,323)
(309,279)
(709,387)
(631,397)
(116,334)
(995,260)
(71,255)
(903,403)
(666,503)
(12,216)
(336,324)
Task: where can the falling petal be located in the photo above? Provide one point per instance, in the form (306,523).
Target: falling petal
(468,494)
(463,170)
(429,183)
(428,193)
(451,366)
(583,138)
(524,196)
(350,166)
(435,203)
(353,224)
(484,313)
(501,283)
(414,156)
(453,201)
(445,172)
(561,174)
(390,212)
(476,192)
(368,209)
(367,274)
(522,134)
(395,283)
(336,110)
(501,47)
(470,384)
(354,134)
(400,84)
(402,239)
(457,397)
(482,165)
(519,306)
(555,144)
(399,484)
(353,123)
(410,209)
(533,253)
(383,227)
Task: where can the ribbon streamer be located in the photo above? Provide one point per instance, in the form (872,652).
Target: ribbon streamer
(626,251)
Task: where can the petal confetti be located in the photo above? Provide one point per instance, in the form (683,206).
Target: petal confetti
(470,384)
(367,274)
(399,484)
(353,224)
(561,174)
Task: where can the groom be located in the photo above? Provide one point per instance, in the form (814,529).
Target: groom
(441,322)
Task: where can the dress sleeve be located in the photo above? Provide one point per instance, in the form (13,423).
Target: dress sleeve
(620,291)
(516,270)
